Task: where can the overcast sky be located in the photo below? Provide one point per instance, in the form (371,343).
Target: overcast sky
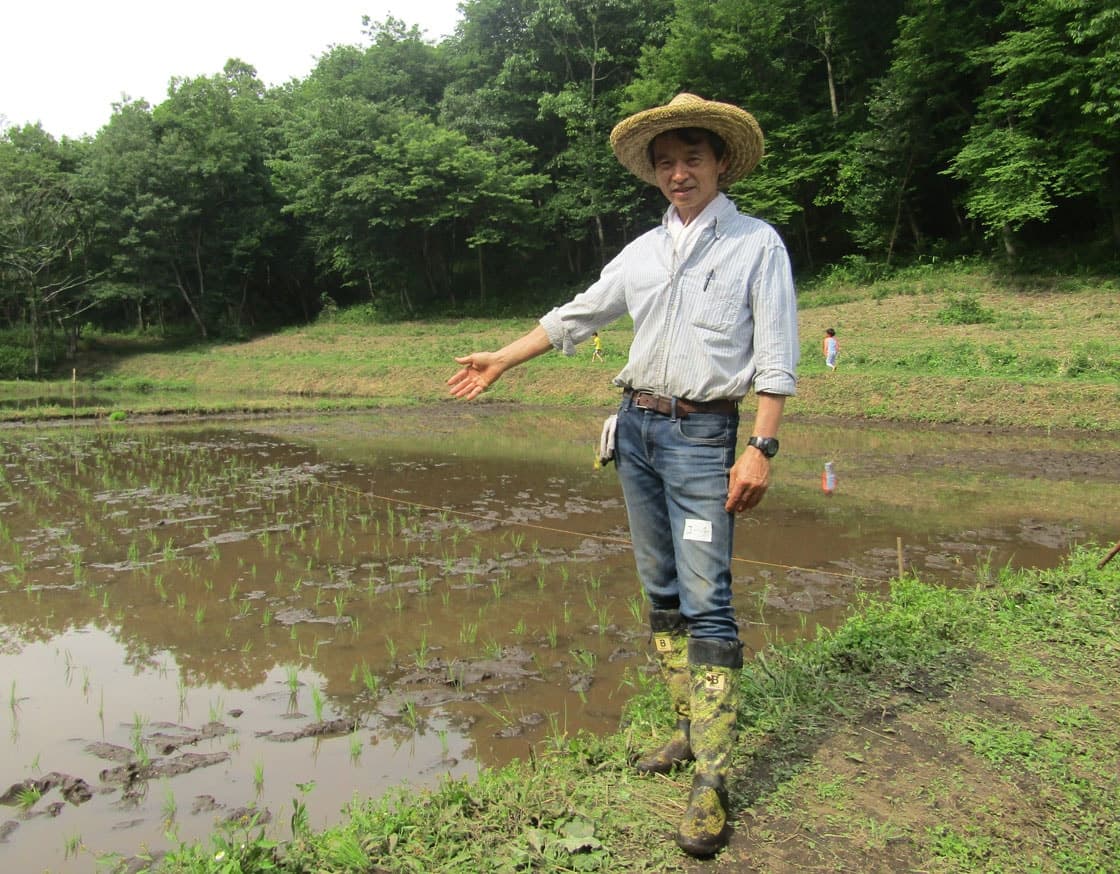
(65,62)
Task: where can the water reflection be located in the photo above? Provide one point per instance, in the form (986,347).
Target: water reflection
(828,478)
(405,594)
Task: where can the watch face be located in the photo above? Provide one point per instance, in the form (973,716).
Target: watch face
(768,446)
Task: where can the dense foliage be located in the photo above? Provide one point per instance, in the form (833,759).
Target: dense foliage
(475,173)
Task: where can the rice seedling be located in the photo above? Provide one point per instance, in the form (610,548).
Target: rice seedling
(28,796)
(602,619)
(258,776)
(585,658)
(370,680)
(519,628)
(551,634)
(317,702)
(199,614)
(468,633)
(634,605)
(422,651)
(391,647)
(72,846)
(169,808)
(137,734)
(355,746)
(409,714)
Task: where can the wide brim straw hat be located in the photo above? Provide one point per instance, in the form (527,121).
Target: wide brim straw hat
(631,137)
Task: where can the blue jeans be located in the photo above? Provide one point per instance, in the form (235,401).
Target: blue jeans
(674,476)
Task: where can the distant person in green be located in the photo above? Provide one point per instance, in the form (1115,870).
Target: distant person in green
(711,295)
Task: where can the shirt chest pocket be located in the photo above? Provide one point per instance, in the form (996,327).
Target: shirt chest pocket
(711,304)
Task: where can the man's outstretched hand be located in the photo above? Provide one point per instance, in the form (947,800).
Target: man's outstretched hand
(480,371)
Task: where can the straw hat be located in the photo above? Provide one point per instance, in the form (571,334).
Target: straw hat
(631,137)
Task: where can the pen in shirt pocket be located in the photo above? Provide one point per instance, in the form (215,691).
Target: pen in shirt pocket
(708,280)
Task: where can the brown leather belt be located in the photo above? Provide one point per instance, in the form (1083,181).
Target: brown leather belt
(660,404)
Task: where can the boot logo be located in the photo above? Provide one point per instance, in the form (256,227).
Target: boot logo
(714,681)
(663,643)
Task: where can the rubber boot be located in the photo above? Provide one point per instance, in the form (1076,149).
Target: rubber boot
(716,666)
(670,643)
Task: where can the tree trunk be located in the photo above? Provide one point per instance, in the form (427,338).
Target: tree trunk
(1009,242)
(34,333)
(481,277)
(187,299)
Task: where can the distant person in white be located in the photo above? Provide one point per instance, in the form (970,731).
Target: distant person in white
(711,294)
(831,348)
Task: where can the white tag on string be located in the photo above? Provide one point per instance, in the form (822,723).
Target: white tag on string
(698,529)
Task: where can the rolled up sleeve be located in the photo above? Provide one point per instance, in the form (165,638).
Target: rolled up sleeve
(774,304)
(570,324)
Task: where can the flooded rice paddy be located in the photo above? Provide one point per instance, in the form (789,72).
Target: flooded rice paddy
(202,624)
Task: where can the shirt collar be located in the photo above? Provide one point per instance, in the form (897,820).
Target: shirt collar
(709,216)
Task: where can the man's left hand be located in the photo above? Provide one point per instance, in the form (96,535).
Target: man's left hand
(748,481)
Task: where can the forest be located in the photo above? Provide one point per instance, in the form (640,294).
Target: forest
(473,175)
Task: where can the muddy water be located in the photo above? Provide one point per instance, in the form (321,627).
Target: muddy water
(203,624)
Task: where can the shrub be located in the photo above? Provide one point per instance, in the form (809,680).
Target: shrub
(964,309)
(16,360)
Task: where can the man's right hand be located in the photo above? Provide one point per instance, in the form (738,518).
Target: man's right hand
(480,371)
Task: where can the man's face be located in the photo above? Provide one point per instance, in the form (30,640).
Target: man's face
(687,174)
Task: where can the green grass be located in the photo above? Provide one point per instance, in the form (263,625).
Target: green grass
(919,735)
(931,344)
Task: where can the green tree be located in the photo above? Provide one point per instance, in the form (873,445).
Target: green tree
(43,277)
(891,182)
(1046,127)
(804,70)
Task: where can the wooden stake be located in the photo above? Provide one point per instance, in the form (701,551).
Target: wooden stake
(1110,556)
(900,566)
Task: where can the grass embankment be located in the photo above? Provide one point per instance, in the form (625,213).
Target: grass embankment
(940,730)
(948,345)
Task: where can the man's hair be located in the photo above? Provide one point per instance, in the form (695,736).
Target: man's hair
(693,136)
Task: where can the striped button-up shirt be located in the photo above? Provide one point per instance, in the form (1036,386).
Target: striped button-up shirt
(722,320)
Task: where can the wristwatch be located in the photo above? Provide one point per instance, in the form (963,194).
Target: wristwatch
(768,446)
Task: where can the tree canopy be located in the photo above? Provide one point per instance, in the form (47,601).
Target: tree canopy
(475,172)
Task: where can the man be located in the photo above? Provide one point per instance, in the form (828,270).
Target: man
(711,294)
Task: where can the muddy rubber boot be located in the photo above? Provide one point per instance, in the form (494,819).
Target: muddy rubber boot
(716,666)
(670,642)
